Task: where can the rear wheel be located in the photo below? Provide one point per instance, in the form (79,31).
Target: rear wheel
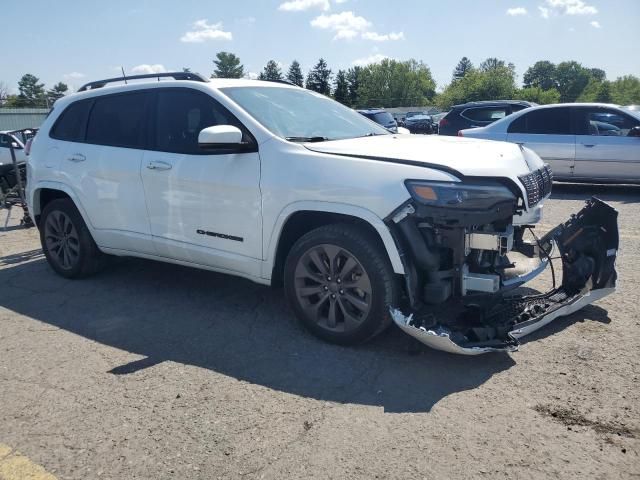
(340,284)
(67,242)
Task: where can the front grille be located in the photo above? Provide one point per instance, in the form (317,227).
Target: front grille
(537,184)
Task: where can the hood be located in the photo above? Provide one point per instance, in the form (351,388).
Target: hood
(459,156)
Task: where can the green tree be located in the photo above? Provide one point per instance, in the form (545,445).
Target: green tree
(319,78)
(294,75)
(464,66)
(493,83)
(542,75)
(353,81)
(571,78)
(31,92)
(491,63)
(4,93)
(395,83)
(227,66)
(538,95)
(598,74)
(271,71)
(59,90)
(625,90)
(341,88)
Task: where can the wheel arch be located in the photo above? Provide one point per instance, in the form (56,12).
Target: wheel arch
(296,220)
(45,192)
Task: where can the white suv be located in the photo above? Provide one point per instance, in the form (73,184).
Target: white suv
(279,184)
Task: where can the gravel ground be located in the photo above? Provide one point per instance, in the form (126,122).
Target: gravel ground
(156,371)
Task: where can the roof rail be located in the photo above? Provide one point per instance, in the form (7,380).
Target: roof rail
(285,82)
(175,75)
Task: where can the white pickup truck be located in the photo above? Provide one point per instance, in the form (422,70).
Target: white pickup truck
(281,185)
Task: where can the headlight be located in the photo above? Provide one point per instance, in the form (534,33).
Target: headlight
(459,195)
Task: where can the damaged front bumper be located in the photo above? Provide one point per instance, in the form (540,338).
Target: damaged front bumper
(587,245)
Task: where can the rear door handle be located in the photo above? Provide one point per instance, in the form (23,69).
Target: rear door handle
(589,145)
(158,165)
(77,158)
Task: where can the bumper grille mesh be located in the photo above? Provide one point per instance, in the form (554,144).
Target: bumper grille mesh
(537,184)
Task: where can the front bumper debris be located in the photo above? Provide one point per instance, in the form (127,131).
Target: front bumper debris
(587,244)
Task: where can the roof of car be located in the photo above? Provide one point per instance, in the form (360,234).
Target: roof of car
(371,110)
(583,104)
(484,103)
(156,83)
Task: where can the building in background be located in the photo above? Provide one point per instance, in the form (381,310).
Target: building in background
(18,118)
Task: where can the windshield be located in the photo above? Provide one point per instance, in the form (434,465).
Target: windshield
(302,115)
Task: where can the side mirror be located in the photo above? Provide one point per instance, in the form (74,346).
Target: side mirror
(634,132)
(220,136)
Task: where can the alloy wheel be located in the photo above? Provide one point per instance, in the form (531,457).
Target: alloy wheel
(333,288)
(62,240)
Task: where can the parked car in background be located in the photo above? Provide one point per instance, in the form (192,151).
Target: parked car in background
(419,123)
(5,151)
(478,114)
(381,117)
(581,141)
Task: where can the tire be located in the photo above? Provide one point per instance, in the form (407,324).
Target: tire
(67,242)
(345,301)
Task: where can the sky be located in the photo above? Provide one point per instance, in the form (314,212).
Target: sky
(78,41)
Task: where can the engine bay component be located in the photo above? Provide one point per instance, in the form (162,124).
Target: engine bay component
(587,244)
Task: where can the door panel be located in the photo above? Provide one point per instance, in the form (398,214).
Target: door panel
(108,185)
(608,157)
(210,201)
(557,150)
(603,149)
(203,207)
(548,132)
(105,176)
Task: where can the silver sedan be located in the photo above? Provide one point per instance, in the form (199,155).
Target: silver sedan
(589,142)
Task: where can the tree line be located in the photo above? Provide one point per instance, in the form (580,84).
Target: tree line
(31,93)
(394,83)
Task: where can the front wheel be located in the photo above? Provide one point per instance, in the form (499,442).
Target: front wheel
(340,283)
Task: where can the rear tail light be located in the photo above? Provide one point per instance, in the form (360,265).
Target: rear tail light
(27,146)
(443,122)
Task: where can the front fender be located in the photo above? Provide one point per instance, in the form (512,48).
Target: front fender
(271,240)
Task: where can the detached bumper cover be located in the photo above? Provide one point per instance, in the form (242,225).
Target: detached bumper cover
(588,245)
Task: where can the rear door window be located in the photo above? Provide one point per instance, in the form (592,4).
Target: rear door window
(119,120)
(71,125)
(485,114)
(546,121)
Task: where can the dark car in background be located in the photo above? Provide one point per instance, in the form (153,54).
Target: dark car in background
(419,122)
(479,114)
(381,117)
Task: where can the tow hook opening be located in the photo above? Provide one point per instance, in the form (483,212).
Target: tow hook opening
(484,313)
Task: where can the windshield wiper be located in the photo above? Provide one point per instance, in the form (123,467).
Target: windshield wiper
(306,139)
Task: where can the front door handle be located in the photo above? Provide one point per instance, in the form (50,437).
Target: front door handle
(589,145)
(77,158)
(158,165)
